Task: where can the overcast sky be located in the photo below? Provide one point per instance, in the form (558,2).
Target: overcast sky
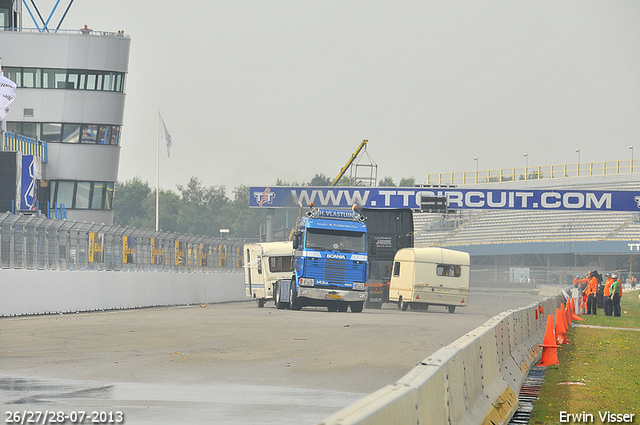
(252,91)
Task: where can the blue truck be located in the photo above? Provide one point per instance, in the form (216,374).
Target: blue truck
(330,262)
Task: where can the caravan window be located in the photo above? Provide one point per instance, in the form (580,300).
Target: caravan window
(448,270)
(396,269)
(281,264)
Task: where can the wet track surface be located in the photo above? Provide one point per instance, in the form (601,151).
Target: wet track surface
(226,363)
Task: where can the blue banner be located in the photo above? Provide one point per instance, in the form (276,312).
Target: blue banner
(29,183)
(457,199)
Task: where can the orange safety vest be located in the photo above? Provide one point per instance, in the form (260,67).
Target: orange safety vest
(607,287)
(620,287)
(583,282)
(593,286)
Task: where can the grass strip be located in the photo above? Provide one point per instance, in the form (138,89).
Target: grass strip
(598,372)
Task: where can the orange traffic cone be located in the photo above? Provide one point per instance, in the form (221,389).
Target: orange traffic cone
(567,316)
(561,330)
(574,316)
(550,348)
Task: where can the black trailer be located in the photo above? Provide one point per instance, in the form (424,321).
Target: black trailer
(388,230)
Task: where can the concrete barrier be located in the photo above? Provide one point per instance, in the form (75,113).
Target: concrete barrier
(43,291)
(474,380)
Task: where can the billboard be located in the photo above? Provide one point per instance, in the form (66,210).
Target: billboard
(96,247)
(457,199)
(128,249)
(31,174)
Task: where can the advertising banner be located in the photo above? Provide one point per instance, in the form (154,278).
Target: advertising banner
(179,254)
(128,249)
(457,199)
(203,249)
(29,183)
(156,251)
(96,247)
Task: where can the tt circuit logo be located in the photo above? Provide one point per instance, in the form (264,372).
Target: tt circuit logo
(265,197)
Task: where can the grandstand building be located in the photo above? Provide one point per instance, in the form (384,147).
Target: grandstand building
(541,247)
(70,98)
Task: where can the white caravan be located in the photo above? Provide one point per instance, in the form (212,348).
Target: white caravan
(430,276)
(264,264)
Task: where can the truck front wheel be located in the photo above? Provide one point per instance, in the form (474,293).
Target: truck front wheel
(294,301)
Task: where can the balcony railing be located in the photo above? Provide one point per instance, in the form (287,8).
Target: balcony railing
(588,169)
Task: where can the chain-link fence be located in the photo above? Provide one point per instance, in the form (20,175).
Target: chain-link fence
(32,242)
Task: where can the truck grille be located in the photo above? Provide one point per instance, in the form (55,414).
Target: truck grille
(335,272)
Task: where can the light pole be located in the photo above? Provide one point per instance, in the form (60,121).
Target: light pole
(475,158)
(631,147)
(578,163)
(526,168)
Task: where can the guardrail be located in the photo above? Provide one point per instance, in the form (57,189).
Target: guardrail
(68,31)
(32,242)
(16,142)
(474,380)
(534,173)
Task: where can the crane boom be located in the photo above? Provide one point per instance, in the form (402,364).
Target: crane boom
(349,162)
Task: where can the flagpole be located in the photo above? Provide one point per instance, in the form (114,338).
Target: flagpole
(158,174)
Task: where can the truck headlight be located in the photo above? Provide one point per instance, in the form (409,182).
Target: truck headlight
(358,286)
(305,281)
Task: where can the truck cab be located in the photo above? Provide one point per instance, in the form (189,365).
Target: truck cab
(330,262)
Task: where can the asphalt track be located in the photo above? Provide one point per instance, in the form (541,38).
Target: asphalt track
(227,363)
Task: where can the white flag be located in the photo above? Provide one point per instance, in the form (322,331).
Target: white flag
(7,95)
(167,136)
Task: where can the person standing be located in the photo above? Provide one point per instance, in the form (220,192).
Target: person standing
(607,295)
(592,292)
(616,294)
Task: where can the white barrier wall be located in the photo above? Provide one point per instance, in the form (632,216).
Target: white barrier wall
(474,380)
(43,291)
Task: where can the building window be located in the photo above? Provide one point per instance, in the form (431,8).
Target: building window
(31,78)
(97,196)
(81,195)
(51,132)
(67,133)
(54,79)
(89,133)
(71,133)
(70,79)
(14,74)
(64,194)
(108,199)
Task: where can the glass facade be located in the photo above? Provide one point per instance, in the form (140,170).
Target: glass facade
(69,79)
(68,133)
(81,195)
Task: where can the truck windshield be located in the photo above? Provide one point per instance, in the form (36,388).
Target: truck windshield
(336,240)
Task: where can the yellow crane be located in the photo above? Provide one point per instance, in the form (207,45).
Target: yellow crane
(344,169)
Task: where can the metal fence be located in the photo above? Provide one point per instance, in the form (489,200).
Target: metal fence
(36,242)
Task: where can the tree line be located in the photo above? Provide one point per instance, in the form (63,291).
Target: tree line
(196,209)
